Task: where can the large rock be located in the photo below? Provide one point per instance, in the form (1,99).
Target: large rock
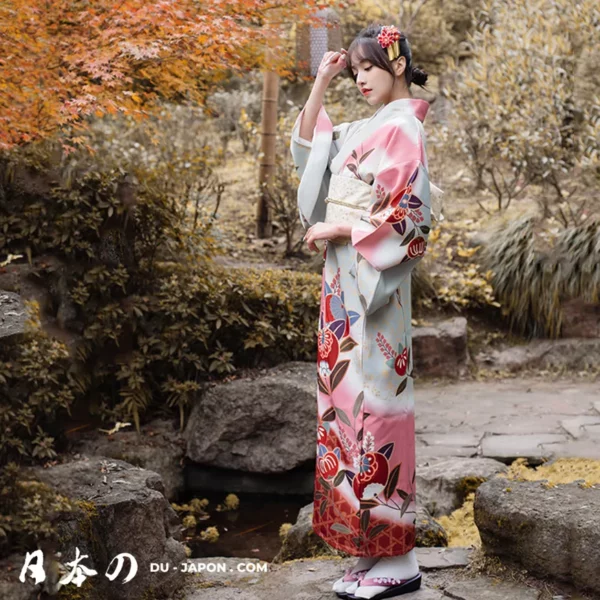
(552,532)
(309,579)
(122,508)
(262,425)
(443,485)
(158,447)
(572,353)
(441,350)
(10,586)
(13,315)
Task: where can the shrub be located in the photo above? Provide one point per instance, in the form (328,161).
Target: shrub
(153,318)
(524,110)
(533,277)
(37,390)
(27,510)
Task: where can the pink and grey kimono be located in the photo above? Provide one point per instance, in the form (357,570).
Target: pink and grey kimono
(364,501)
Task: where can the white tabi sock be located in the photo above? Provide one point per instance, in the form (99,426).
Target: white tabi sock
(364,562)
(398,567)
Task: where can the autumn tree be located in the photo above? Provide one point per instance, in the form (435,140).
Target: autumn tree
(62,60)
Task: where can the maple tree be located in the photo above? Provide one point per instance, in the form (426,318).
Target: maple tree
(61,60)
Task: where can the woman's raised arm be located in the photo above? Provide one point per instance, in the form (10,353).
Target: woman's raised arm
(332,64)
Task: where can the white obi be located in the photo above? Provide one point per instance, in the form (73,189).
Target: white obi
(348,200)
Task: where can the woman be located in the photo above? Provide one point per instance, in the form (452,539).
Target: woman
(364,501)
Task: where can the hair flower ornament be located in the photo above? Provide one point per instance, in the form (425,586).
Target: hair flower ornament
(388,38)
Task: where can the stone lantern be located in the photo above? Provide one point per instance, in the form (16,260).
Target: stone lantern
(313,41)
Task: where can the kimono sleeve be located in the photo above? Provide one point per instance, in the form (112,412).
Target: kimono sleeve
(393,238)
(312,160)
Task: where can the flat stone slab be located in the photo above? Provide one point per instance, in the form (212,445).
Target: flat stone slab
(574,449)
(534,447)
(526,424)
(486,589)
(578,426)
(465,440)
(443,558)
(434,452)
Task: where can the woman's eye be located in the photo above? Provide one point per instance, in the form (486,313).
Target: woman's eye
(368,68)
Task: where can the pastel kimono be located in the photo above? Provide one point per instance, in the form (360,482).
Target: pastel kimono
(364,499)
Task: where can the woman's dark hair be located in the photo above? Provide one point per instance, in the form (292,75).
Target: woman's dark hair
(366,47)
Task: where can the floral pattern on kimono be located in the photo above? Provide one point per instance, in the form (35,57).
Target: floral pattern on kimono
(364,500)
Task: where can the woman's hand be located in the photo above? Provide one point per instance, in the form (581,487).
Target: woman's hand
(323,231)
(332,64)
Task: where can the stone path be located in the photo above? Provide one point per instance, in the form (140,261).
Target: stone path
(444,577)
(507,419)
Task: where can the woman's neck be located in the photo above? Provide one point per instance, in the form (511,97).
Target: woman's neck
(399,92)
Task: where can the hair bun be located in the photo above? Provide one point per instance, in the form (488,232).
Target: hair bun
(418,76)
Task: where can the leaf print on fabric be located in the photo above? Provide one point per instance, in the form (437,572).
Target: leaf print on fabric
(384,346)
(358,160)
(338,373)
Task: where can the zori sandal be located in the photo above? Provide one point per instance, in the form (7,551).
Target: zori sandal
(396,586)
(349,576)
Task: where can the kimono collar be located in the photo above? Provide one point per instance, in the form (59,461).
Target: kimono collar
(413,106)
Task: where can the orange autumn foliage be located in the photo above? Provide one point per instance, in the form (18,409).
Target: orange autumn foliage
(61,60)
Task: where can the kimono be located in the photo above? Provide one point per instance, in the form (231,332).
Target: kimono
(364,497)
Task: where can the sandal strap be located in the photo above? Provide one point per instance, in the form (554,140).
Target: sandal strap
(356,576)
(382,581)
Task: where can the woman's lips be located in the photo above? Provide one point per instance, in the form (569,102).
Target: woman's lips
(366,91)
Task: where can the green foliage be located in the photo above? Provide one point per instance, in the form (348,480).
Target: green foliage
(27,508)
(38,391)
(532,278)
(199,326)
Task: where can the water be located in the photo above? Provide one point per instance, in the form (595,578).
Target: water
(250,531)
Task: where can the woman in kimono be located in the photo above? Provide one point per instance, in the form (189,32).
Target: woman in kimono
(364,500)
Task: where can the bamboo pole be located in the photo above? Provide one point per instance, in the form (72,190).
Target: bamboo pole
(264,227)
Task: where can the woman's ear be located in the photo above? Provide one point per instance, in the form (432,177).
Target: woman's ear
(400,66)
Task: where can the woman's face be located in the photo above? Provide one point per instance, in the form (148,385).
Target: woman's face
(373,82)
